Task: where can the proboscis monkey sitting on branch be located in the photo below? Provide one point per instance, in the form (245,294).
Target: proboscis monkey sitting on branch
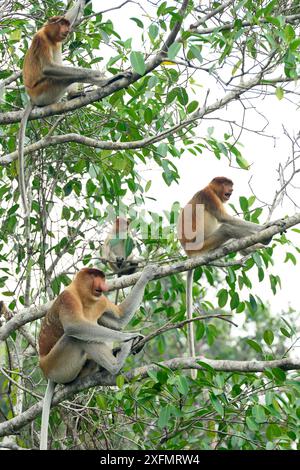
(76,332)
(45,78)
(204,225)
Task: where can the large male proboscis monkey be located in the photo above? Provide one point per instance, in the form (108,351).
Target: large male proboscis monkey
(76,329)
(46,79)
(204,225)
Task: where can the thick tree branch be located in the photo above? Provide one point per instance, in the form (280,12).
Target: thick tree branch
(105,379)
(34,313)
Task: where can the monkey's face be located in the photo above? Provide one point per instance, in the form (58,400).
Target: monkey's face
(98,286)
(64,29)
(58,28)
(90,283)
(227,190)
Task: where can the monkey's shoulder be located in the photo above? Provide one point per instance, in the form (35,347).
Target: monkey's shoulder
(67,300)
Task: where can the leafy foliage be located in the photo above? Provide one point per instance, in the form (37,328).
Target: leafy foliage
(76,187)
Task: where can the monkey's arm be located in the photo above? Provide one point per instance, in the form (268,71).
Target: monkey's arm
(119,316)
(52,70)
(94,333)
(223,217)
(77,74)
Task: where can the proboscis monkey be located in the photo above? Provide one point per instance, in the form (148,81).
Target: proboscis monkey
(46,79)
(204,225)
(75,332)
(118,248)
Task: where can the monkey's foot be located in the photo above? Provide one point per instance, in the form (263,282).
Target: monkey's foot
(149,272)
(135,348)
(280,223)
(75,94)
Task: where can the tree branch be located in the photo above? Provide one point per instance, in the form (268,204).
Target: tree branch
(105,379)
(109,145)
(34,313)
(244,24)
(99,94)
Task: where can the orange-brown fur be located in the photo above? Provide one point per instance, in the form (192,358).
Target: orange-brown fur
(45,46)
(76,302)
(212,197)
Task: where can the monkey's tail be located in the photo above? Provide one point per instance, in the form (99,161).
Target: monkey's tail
(45,414)
(22,185)
(189,311)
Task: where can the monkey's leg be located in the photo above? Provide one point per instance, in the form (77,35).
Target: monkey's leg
(215,240)
(102,355)
(90,367)
(70,75)
(64,361)
(225,232)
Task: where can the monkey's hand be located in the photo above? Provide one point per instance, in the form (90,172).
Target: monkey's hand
(149,272)
(280,223)
(135,348)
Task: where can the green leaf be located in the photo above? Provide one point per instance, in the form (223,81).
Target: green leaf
(192,106)
(120,381)
(138,62)
(244,203)
(279,374)
(251,424)
(222,297)
(279,92)
(129,245)
(148,116)
(294,45)
(242,162)
(173,50)
(196,52)
(153,32)
(289,33)
(268,337)
(258,414)
(164,417)
(273,431)
(291,257)
(139,23)
(101,402)
(285,332)
(254,345)
(217,405)
(182,385)
(206,366)
(253,303)
(235,300)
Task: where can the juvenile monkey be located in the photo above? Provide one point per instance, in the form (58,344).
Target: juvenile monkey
(204,225)
(76,331)
(118,248)
(46,79)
